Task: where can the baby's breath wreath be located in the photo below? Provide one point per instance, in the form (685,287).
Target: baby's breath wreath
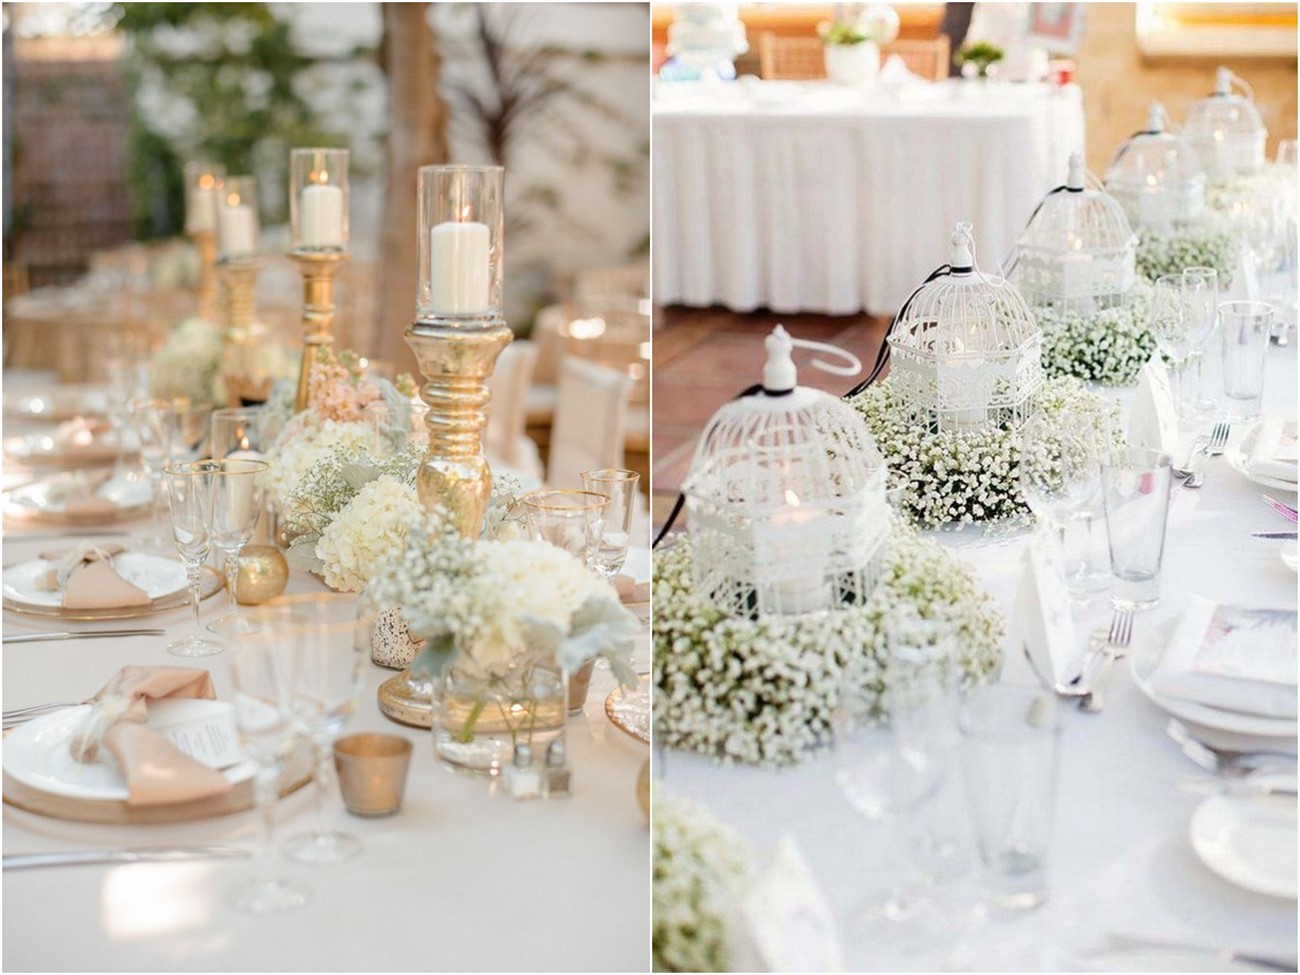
(1108,346)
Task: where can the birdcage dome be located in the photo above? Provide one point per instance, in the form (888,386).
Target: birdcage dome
(965,349)
(1157,177)
(1078,251)
(1226,131)
(785,499)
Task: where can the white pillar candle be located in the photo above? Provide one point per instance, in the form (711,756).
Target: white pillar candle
(459,268)
(320,216)
(203,209)
(237,230)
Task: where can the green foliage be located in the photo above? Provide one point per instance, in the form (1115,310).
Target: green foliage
(981,54)
(844,34)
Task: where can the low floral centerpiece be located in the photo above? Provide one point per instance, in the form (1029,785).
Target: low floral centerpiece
(503,623)
(189,363)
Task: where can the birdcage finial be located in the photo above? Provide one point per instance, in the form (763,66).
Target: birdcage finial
(1074,176)
(779,372)
(963,249)
(1156,117)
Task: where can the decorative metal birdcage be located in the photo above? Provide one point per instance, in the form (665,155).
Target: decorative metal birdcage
(1225,130)
(1157,177)
(785,498)
(965,349)
(1077,253)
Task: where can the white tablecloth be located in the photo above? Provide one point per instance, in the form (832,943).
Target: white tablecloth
(459,880)
(806,197)
(1121,860)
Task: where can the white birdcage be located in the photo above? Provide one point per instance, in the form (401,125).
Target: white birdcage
(1157,177)
(785,498)
(1078,251)
(1226,131)
(965,349)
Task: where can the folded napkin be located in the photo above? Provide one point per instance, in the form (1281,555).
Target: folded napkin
(78,494)
(1233,658)
(155,770)
(631,591)
(1274,452)
(88,580)
(81,433)
(784,922)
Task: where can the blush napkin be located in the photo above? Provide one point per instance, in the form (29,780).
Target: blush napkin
(88,579)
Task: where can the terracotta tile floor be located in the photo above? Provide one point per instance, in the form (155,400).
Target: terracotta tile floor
(704,357)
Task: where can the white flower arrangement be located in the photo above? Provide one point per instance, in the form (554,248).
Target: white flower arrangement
(958,476)
(1205,244)
(701,869)
(1107,346)
(307,443)
(488,606)
(762,691)
(189,363)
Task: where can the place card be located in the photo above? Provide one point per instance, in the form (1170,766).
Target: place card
(203,730)
(1154,420)
(1043,608)
(785,920)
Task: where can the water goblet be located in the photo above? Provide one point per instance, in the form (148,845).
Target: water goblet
(260,661)
(192,426)
(154,421)
(616,527)
(1060,480)
(189,498)
(571,520)
(236,508)
(1200,305)
(328,635)
(128,381)
(1172,331)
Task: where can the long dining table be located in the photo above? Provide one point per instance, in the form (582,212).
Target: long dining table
(1121,861)
(463,878)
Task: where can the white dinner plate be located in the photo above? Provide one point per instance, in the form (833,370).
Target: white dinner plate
(38,756)
(1238,458)
(156,574)
(84,446)
(46,498)
(1249,841)
(1288,554)
(1143,661)
(60,403)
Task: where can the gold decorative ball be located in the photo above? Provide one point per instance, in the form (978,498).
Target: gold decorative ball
(263,574)
(643,788)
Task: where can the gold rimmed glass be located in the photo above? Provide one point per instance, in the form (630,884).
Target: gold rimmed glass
(189,498)
(236,507)
(611,545)
(571,520)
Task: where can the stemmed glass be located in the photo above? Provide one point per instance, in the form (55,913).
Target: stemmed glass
(328,635)
(128,381)
(571,520)
(1172,330)
(192,425)
(236,507)
(1200,306)
(155,421)
(260,662)
(1060,480)
(611,544)
(189,496)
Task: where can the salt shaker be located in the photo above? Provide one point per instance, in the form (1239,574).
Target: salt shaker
(557,772)
(523,779)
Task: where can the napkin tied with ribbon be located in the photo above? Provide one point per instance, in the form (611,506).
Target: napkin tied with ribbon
(88,579)
(78,492)
(156,771)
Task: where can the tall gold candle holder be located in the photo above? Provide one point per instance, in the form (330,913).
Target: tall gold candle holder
(318,243)
(205,242)
(238,264)
(458,333)
(203,182)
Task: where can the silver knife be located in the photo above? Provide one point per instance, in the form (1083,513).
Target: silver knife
(1224,955)
(85,634)
(1273,534)
(60,536)
(142,854)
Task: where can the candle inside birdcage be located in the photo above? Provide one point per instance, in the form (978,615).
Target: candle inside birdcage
(1226,131)
(1157,177)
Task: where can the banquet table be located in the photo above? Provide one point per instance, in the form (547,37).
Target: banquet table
(1121,859)
(463,878)
(806,197)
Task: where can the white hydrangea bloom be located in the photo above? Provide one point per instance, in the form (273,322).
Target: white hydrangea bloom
(369,527)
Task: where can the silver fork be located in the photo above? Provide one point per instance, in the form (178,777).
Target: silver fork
(18,716)
(1213,448)
(1117,641)
(1229,762)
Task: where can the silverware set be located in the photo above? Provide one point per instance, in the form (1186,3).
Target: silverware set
(1281,508)
(18,716)
(1230,762)
(1227,956)
(1204,447)
(1088,687)
(83,635)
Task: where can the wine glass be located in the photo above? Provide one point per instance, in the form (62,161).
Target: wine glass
(1060,473)
(154,423)
(192,427)
(260,662)
(128,381)
(236,507)
(1200,306)
(1171,330)
(571,520)
(328,635)
(189,496)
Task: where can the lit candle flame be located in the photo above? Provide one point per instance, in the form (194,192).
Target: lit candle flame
(791,498)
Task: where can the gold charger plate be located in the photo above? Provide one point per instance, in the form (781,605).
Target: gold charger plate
(30,514)
(39,450)
(66,401)
(210,582)
(629,711)
(296,773)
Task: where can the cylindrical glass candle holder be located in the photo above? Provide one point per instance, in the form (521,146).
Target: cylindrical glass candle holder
(237,223)
(202,187)
(318,200)
(460,242)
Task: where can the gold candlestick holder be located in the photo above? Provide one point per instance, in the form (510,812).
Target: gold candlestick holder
(205,242)
(456,358)
(318,269)
(242,339)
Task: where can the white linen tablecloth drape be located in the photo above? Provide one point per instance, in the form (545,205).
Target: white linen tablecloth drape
(1121,859)
(806,197)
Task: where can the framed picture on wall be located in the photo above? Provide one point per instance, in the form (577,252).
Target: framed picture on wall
(1056,26)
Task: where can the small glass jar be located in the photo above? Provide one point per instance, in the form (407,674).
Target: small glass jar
(202,188)
(460,243)
(238,229)
(318,200)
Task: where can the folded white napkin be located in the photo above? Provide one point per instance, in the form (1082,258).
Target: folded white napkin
(1274,450)
(1043,623)
(1153,422)
(1232,658)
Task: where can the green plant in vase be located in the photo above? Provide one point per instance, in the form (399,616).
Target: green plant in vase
(981,56)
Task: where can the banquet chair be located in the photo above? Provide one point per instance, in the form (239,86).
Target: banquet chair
(505,439)
(590,421)
(614,280)
(926,59)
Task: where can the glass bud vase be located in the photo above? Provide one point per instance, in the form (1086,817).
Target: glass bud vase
(478,720)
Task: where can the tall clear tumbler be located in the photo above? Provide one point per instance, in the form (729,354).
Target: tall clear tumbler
(1246,327)
(1135,493)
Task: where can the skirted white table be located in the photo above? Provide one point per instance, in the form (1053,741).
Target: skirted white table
(799,196)
(462,879)
(1121,859)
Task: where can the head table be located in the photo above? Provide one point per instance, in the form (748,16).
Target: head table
(461,879)
(1121,859)
(802,196)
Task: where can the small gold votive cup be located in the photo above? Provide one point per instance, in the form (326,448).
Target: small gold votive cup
(372,772)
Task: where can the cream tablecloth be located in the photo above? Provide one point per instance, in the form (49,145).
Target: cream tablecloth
(800,196)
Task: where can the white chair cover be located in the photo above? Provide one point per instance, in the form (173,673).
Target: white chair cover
(505,439)
(590,419)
